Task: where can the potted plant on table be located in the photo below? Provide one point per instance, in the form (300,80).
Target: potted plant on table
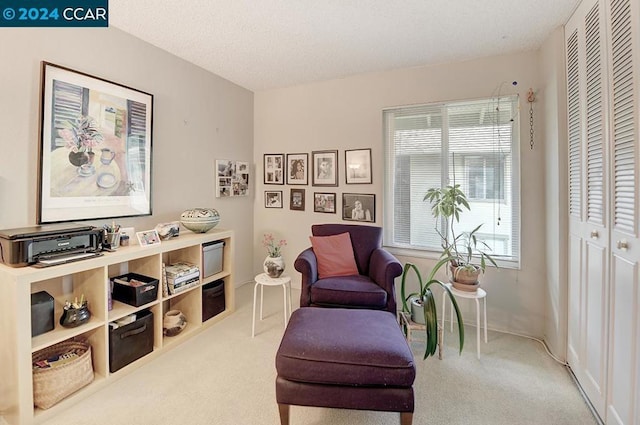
(423,301)
(462,248)
(458,252)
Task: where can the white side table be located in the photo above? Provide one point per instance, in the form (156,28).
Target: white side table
(479,294)
(264,280)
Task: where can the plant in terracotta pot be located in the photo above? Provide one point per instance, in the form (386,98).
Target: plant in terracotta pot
(467,255)
(423,304)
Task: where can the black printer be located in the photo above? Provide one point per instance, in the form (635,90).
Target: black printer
(48,245)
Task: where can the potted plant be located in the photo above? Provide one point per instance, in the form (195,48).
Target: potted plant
(460,249)
(424,302)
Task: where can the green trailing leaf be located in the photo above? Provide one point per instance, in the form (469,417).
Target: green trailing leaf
(429,304)
(454,304)
(407,267)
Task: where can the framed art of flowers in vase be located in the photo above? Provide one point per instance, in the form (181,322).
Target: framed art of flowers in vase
(95,148)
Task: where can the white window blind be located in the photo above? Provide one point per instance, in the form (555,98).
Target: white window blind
(473,144)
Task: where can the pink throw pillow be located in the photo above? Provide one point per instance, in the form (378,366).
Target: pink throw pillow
(335,255)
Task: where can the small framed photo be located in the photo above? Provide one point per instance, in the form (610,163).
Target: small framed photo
(357,165)
(324,202)
(325,168)
(359,207)
(296,201)
(148,237)
(273,199)
(274,168)
(297,168)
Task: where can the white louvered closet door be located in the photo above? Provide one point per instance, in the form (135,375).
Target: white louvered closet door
(603,86)
(588,214)
(623,405)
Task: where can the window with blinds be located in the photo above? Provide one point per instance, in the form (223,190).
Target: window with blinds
(473,144)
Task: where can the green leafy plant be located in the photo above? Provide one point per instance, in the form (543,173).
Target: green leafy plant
(426,298)
(448,203)
(81,134)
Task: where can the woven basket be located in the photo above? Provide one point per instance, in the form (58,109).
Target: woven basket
(52,385)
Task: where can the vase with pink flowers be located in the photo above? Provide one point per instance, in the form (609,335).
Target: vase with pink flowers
(274,263)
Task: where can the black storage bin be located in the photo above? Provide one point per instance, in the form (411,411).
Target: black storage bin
(212,299)
(135,295)
(41,313)
(130,342)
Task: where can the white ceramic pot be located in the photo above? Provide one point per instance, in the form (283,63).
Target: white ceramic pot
(200,220)
(273,266)
(173,323)
(417,311)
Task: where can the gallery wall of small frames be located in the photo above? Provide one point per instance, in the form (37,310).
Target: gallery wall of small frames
(321,169)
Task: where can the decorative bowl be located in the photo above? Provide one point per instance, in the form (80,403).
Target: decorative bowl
(72,317)
(173,323)
(200,220)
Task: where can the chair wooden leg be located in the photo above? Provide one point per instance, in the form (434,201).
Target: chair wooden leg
(284,414)
(406,418)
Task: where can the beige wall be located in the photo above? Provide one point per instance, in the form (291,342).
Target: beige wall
(347,114)
(198,117)
(552,102)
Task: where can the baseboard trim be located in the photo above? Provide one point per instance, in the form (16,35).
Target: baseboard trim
(595,414)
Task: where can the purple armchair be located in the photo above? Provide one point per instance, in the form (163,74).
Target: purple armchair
(372,289)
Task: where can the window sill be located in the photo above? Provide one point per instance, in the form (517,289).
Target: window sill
(433,255)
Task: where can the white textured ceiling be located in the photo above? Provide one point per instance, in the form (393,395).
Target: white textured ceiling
(265,44)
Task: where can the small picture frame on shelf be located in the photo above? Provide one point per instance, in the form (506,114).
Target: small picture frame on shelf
(297,201)
(273,199)
(148,237)
(357,165)
(324,202)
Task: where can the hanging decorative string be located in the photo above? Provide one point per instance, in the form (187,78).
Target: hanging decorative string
(531,97)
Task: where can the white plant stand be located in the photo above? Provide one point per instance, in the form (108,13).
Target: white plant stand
(479,294)
(263,280)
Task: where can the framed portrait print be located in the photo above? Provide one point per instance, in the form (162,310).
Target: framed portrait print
(296,201)
(273,199)
(325,168)
(95,148)
(274,168)
(297,168)
(359,207)
(324,202)
(357,166)
(232,178)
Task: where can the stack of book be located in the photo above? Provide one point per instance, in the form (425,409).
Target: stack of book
(181,276)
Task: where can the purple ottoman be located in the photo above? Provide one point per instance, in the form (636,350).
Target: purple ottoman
(347,359)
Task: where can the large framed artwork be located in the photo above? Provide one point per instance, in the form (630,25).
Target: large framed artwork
(325,168)
(232,178)
(95,148)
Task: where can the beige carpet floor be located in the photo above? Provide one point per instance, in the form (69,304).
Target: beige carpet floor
(223,376)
